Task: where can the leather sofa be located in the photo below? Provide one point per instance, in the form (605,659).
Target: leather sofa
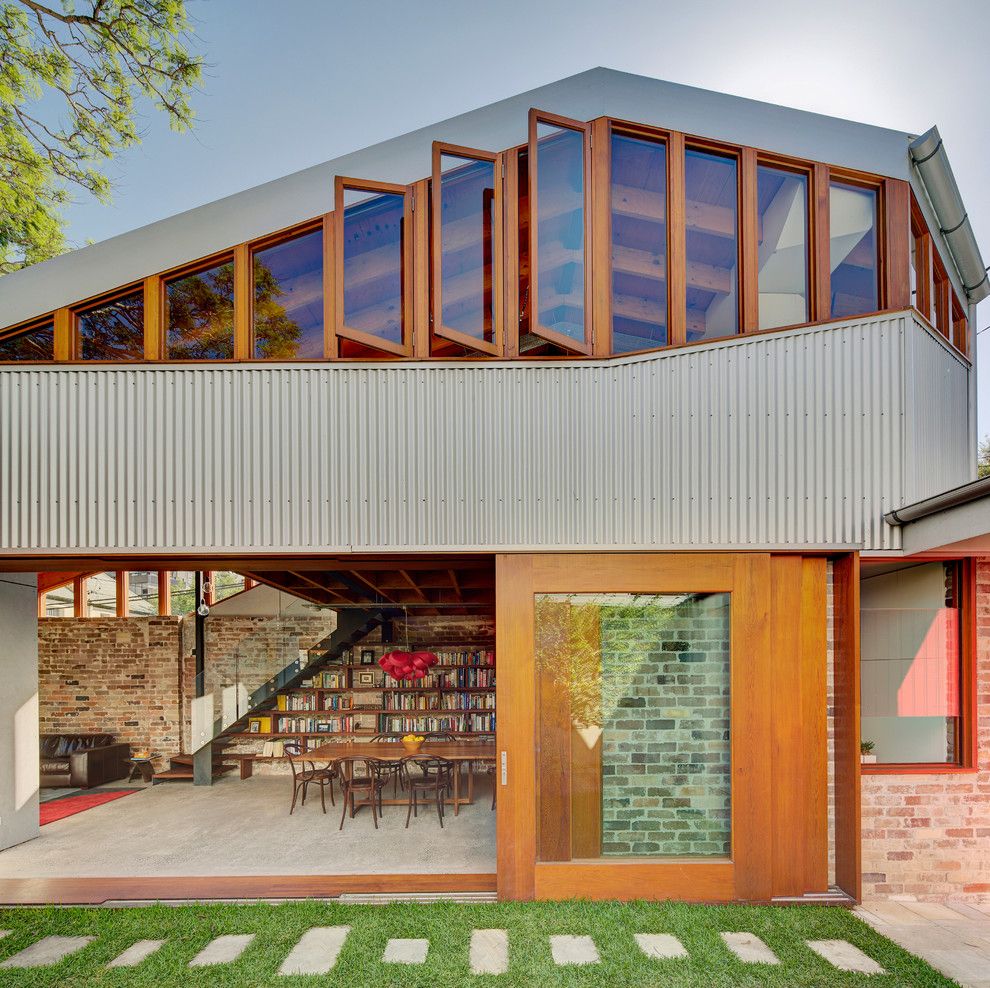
(82,761)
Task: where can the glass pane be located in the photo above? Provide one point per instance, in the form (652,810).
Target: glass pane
(37,345)
(113,330)
(288,299)
(639,244)
(226,585)
(711,236)
(910,642)
(634,725)
(200,315)
(182,587)
(373,240)
(852,217)
(101,595)
(467,246)
(782,236)
(61,602)
(142,592)
(560,231)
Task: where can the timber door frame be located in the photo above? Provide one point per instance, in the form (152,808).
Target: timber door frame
(772,596)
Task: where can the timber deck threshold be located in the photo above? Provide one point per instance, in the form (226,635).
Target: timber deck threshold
(94,891)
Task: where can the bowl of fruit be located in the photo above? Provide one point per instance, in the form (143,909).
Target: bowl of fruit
(413,742)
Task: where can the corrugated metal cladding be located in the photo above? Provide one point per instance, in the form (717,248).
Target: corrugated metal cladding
(791,439)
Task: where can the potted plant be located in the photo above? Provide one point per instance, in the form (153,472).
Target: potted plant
(866,755)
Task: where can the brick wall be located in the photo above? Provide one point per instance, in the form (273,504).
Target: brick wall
(928,836)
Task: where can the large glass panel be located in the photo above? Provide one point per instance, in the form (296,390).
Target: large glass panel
(639,244)
(101,595)
(226,584)
(288,299)
(911,661)
(852,217)
(782,253)
(560,231)
(467,246)
(113,330)
(711,209)
(61,602)
(36,345)
(200,314)
(374,234)
(142,592)
(634,725)
(182,592)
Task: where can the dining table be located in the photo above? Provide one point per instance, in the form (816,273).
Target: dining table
(458,752)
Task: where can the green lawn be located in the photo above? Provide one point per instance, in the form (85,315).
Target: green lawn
(448,927)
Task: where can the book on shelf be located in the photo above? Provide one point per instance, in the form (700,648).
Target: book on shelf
(273,749)
(462,724)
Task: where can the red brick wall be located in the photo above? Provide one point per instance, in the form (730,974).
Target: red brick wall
(928,836)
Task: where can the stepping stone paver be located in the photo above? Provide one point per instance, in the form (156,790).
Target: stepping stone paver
(846,957)
(316,952)
(489,951)
(4,933)
(749,948)
(406,951)
(223,950)
(573,950)
(50,950)
(660,946)
(136,953)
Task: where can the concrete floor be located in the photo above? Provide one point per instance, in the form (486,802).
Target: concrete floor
(243,828)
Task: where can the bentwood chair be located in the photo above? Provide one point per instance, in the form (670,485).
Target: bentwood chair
(434,784)
(394,770)
(364,779)
(306,774)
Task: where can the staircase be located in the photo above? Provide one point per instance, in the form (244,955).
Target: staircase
(180,767)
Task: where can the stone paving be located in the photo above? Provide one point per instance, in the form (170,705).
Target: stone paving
(953,937)
(317,951)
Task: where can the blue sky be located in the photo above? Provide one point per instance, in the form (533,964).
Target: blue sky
(296,82)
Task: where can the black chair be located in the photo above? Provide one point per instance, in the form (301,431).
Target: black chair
(306,774)
(395,770)
(364,778)
(435,784)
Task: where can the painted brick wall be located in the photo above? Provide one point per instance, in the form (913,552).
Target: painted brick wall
(665,748)
(928,836)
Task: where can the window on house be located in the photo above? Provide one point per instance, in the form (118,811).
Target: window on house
(941,296)
(467,247)
(182,592)
(959,326)
(712,242)
(558,240)
(32,345)
(288,299)
(226,584)
(61,602)
(200,314)
(853,249)
(101,595)
(639,243)
(782,246)
(142,592)
(113,330)
(911,653)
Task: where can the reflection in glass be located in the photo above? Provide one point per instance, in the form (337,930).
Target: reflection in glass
(288,299)
(226,584)
(639,244)
(200,314)
(852,217)
(467,254)
(36,345)
(782,238)
(142,592)
(113,330)
(911,662)
(560,231)
(634,725)
(373,246)
(101,595)
(711,191)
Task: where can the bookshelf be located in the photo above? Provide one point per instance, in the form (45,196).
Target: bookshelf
(356,699)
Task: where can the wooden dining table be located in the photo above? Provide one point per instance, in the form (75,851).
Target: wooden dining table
(457,752)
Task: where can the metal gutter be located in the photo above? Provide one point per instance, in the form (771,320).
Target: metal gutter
(972,491)
(929,158)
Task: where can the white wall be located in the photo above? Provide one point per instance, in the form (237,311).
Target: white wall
(18,708)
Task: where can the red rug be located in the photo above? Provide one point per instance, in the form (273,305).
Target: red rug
(59,809)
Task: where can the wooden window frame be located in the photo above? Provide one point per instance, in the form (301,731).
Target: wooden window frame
(586,345)
(960,326)
(874,184)
(494,348)
(274,240)
(342,331)
(185,271)
(79,310)
(941,293)
(24,329)
(968,739)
